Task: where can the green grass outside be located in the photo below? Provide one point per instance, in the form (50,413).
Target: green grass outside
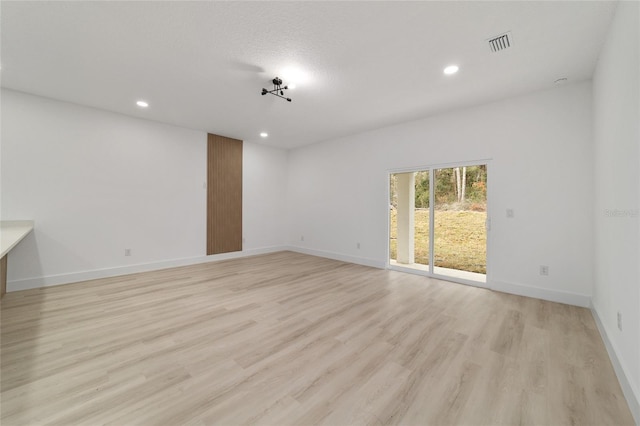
(460,239)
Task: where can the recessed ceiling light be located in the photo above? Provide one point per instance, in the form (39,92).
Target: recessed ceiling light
(451,69)
(264,134)
(142,104)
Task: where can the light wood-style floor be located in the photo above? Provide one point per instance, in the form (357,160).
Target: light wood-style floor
(292,339)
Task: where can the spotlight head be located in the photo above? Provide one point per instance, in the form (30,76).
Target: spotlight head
(288,99)
(286,87)
(264,92)
(277,81)
(281,92)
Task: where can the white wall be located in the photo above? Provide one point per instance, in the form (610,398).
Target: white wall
(541,154)
(616,86)
(96,183)
(264,183)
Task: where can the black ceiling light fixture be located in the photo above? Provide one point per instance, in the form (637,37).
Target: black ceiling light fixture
(278,90)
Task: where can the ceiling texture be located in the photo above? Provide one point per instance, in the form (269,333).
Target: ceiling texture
(357,66)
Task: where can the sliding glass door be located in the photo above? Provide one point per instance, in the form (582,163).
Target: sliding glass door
(437,222)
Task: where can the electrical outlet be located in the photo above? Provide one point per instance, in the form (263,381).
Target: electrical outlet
(358,245)
(301,237)
(619,321)
(127,252)
(544,270)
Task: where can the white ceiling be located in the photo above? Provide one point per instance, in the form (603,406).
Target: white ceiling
(364,65)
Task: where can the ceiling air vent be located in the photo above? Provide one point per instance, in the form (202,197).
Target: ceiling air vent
(501,42)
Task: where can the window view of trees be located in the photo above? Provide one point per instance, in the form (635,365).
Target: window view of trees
(458,188)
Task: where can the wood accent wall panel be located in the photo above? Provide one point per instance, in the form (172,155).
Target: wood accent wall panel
(224,194)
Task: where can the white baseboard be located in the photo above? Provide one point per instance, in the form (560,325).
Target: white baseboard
(568,298)
(337,256)
(565,297)
(630,392)
(73,277)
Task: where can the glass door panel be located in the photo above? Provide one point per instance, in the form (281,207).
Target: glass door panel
(460,222)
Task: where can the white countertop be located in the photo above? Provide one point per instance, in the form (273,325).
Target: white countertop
(12,232)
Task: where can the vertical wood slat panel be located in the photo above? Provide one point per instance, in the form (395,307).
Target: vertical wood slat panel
(224,194)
